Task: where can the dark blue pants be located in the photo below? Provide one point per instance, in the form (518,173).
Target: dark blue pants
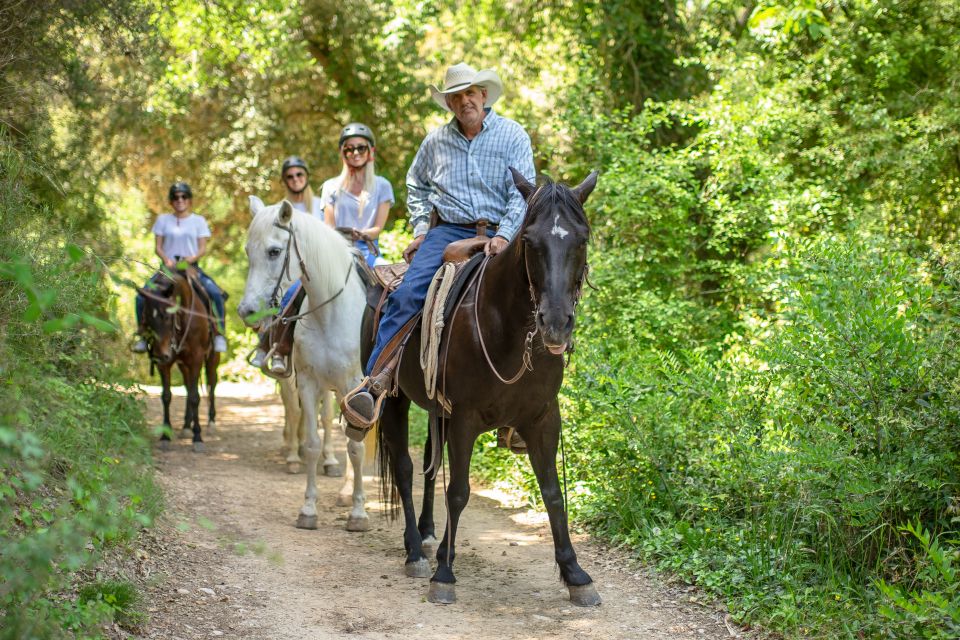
(216,296)
(408,299)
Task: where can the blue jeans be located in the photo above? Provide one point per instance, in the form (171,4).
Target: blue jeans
(408,299)
(365,250)
(288,294)
(216,296)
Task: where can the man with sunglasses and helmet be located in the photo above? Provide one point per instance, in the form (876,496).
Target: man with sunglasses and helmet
(181,237)
(460,177)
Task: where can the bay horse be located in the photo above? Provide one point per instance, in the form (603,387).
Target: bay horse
(180,331)
(284,244)
(516,316)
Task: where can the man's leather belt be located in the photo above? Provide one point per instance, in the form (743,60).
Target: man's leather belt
(480,225)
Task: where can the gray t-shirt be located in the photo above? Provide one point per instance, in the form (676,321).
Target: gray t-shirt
(317,207)
(180,235)
(346,205)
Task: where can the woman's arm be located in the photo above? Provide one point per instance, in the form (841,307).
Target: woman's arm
(160,254)
(329,217)
(382,212)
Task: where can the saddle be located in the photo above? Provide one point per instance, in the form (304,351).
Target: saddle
(193,277)
(465,254)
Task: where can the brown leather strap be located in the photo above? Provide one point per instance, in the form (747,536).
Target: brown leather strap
(481,225)
(282,332)
(376,312)
(383,374)
(395,345)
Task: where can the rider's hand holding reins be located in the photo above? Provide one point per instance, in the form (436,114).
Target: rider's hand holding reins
(495,246)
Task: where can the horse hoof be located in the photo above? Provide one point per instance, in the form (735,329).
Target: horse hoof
(441,593)
(164,445)
(294,467)
(358,524)
(185,433)
(344,500)
(211,427)
(306,522)
(418,569)
(584,595)
(332,471)
(199,447)
(429,543)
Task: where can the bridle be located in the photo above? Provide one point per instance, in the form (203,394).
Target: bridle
(182,332)
(527,361)
(274,296)
(291,240)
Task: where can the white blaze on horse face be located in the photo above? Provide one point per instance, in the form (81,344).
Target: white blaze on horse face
(557,230)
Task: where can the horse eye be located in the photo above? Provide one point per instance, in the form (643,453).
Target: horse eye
(273,253)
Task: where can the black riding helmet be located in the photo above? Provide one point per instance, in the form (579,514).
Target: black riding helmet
(179,187)
(293,161)
(357,129)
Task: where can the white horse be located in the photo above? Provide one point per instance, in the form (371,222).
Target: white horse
(285,244)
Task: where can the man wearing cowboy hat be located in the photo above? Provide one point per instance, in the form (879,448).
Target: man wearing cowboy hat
(462,172)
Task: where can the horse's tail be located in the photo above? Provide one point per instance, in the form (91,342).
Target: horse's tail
(389,495)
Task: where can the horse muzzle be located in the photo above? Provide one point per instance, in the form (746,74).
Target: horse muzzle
(556,330)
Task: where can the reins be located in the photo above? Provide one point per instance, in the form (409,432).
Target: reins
(275,301)
(527,363)
(183,332)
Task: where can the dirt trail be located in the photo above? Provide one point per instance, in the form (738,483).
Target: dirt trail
(228,562)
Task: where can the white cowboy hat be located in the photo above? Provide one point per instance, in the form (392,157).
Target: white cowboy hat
(460,76)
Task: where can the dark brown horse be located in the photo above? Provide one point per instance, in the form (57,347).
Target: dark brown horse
(515,319)
(180,331)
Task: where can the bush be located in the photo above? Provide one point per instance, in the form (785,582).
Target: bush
(778,475)
(73,442)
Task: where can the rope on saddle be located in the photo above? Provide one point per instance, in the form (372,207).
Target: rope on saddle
(432,325)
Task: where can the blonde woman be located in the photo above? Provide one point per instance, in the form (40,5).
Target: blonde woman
(358,199)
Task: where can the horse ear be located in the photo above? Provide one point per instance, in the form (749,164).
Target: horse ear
(525,188)
(585,188)
(256,205)
(286,212)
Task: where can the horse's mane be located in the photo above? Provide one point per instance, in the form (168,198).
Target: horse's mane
(549,196)
(325,252)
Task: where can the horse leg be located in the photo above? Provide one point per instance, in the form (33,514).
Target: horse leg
(331,466)
(541,441)
(187,430)
(192,382)
(358,520)
(165,397)
(213,361)
(458,494)
(291,424)
(396,454)
(426,525)
(308,390)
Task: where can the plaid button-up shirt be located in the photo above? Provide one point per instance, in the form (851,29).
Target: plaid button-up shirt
(466,180)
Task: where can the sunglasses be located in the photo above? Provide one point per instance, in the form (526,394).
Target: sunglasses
(179,196)
(291,176)
(360,148)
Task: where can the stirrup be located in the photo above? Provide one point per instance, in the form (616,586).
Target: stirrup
(286,373)
(354,419)
(252,358)
(509,438)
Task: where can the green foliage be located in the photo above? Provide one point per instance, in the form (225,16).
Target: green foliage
(120,598)
(933,611)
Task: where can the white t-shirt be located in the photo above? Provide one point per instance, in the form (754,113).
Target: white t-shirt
(346,205)
(180,235)
(317,207)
